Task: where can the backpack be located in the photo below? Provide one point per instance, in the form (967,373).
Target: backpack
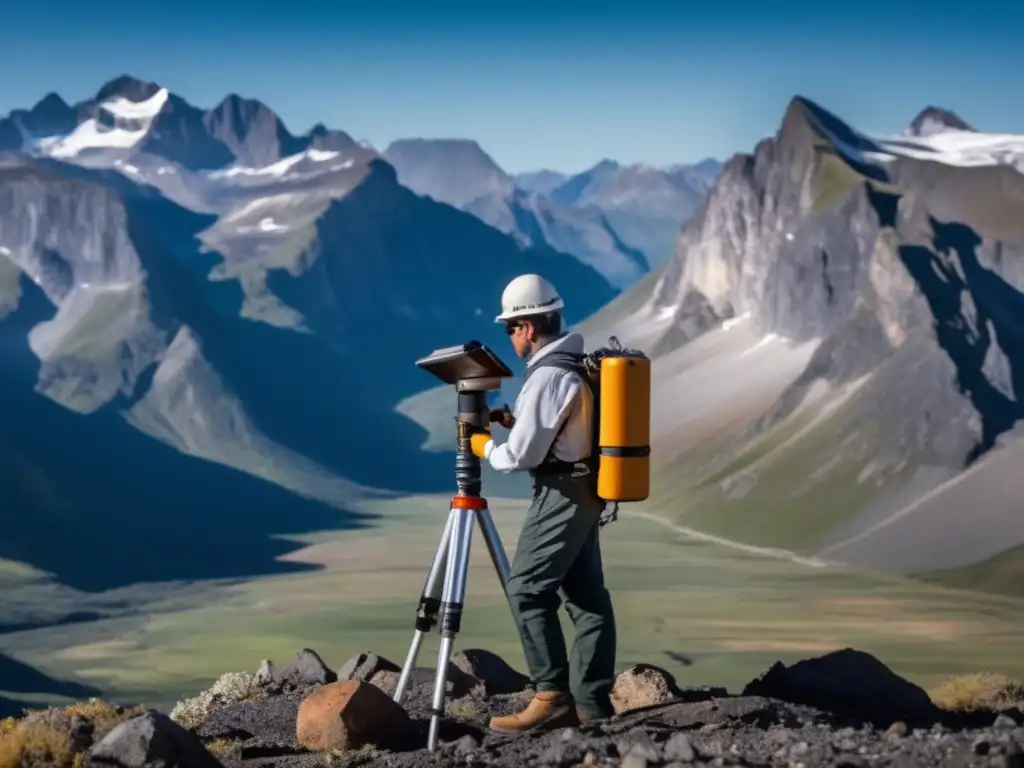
(588,367)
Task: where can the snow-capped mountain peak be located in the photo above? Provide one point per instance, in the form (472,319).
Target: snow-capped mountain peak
(932,120)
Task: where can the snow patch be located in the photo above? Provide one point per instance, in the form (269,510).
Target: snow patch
(965,149)
(269,225)
(285,165)
(254,207)
(148,109)
(127,167)
(132,121)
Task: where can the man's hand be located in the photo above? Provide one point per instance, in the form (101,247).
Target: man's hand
(503,416)
(478,443)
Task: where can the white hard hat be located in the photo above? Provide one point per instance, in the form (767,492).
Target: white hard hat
(528,295)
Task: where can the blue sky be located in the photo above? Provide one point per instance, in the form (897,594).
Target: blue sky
(539,84)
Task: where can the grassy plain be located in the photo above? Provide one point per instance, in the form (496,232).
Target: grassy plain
(723,614)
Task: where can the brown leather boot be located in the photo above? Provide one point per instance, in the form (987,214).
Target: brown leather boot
(547,709)
(584,718)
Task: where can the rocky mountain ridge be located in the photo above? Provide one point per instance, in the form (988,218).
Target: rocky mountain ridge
(237,130)
(622,220)
(841,709)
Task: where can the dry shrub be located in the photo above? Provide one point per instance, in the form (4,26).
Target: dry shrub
(983,690)
(41,737)
(228,689)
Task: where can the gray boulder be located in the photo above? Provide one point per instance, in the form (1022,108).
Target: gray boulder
(151,740)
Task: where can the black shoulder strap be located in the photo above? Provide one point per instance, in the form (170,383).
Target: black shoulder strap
(569,361)
(566,361)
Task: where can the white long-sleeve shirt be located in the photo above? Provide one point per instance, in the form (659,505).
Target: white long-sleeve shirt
(549,398)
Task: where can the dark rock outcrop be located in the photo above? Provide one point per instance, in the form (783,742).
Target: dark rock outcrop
(850,684)
(497,676)
(306,669)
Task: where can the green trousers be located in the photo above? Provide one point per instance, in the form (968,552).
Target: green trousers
(558,559)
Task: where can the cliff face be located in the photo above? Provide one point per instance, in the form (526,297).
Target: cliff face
(899,263)
(758,249)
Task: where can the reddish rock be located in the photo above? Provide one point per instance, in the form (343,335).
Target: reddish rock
(349,715)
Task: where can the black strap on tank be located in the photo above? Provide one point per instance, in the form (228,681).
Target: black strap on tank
(572,362)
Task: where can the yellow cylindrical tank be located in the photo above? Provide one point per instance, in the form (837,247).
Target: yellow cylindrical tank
(624,466)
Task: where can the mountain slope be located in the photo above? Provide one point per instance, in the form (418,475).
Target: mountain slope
(646,206)
(841,318)
(621,228)
(244,328)
(541,182)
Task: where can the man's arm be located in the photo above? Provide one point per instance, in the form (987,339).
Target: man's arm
(541,409)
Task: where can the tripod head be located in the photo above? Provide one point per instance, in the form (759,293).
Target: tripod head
(474,370)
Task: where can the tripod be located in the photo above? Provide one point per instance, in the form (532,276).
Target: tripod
(452,556)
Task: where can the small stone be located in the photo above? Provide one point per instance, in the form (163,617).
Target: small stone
(646,749)
(466,744)
(638,743)
(348,715)
(563,753)
(590,759)
(897,730)
(633,760)
(679,748)
(364,666)
(265,674)
(981,746)
(306,669)
(1004,721)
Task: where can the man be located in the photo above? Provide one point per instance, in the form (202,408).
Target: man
(558,555)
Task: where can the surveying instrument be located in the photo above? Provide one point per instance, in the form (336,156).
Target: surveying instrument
(474,370)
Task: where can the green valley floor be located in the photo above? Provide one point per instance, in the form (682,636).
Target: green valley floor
(711,613)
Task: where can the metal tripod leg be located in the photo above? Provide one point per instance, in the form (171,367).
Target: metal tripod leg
(451,611)
(444,593)
(430,604)
(494,545)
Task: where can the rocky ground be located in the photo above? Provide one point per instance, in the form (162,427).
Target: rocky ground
(842,709)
